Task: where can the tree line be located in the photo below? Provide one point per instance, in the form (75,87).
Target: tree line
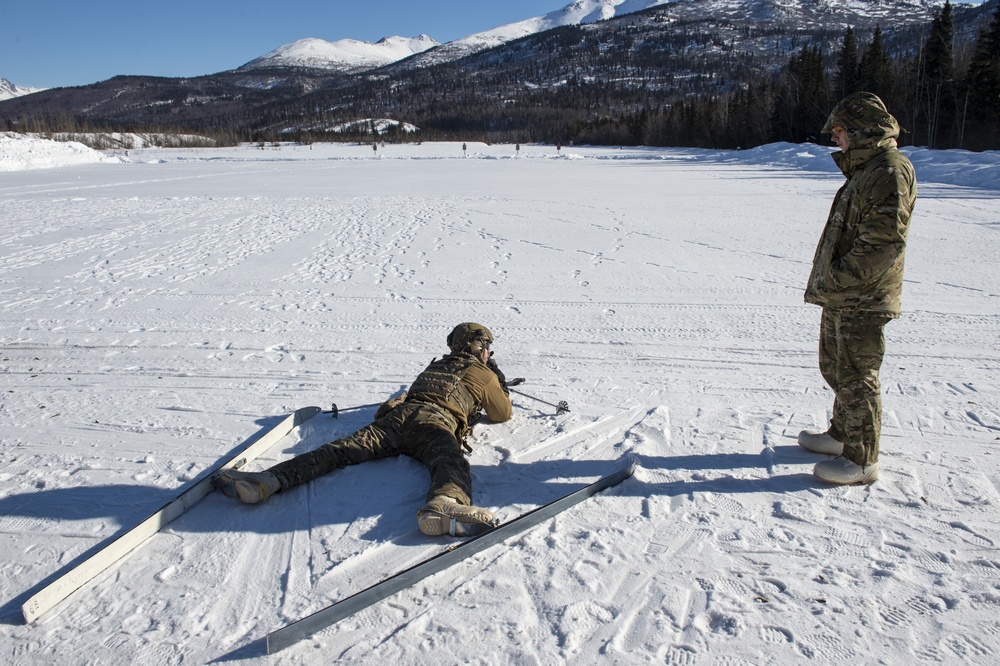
(942,85)
(648,78)
(945,93)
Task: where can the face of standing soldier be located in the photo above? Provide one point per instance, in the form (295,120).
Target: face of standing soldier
(841,138)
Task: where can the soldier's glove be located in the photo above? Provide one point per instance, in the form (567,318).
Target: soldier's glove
(492,365)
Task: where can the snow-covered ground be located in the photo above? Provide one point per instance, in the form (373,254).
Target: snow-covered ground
(19,153)
(160,309)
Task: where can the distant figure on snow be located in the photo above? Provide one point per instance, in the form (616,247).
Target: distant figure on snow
(430,423)
(857,277)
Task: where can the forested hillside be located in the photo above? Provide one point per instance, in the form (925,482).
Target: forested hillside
(692,73)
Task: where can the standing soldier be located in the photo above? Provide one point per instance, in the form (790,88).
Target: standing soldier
(429,423)
(857,278)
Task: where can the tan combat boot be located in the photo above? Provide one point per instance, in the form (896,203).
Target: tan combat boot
(443,515)
(820,442)
(249,487)
(844,472)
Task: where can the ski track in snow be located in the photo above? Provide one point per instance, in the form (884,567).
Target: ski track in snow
(157,315)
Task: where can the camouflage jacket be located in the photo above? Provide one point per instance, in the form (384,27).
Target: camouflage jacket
(461,385)
(858,265)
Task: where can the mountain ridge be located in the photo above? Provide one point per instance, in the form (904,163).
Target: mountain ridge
(653,58)
(353,56)
(348,56)
(9,90)
(579,12)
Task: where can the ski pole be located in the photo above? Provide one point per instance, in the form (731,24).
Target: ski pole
(336,411)
(561,408)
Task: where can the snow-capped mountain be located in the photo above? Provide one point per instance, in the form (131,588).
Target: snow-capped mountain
(578,12)
(9,91)
(351,56)
(575,13)
(345,55)
(668,50)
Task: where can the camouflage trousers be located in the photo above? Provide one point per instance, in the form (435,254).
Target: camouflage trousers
(423,432)
(851,348)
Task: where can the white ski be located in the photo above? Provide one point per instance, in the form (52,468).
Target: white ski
(121,545)
(307,626)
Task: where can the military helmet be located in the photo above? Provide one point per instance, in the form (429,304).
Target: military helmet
(469,337)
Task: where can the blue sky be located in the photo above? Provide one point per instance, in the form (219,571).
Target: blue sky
(72,42)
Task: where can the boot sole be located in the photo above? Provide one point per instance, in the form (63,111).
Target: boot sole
(250,493)
(870,477)
(433,523)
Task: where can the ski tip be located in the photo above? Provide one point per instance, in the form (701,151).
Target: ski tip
(306,413)
(632,468)
(30,611)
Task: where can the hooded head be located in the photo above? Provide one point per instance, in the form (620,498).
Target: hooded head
(469,337)
(864,117)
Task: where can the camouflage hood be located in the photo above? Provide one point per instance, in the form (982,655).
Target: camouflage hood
(863,113)
(869,125)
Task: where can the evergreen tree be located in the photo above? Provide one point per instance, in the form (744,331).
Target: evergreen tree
(846,80)
(983,84)
(803,100)
(748,121)
(875,69)
(937,100)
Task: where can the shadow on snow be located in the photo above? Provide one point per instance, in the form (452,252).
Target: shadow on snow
(387,492)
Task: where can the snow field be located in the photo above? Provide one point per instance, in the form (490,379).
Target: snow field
(158,312)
